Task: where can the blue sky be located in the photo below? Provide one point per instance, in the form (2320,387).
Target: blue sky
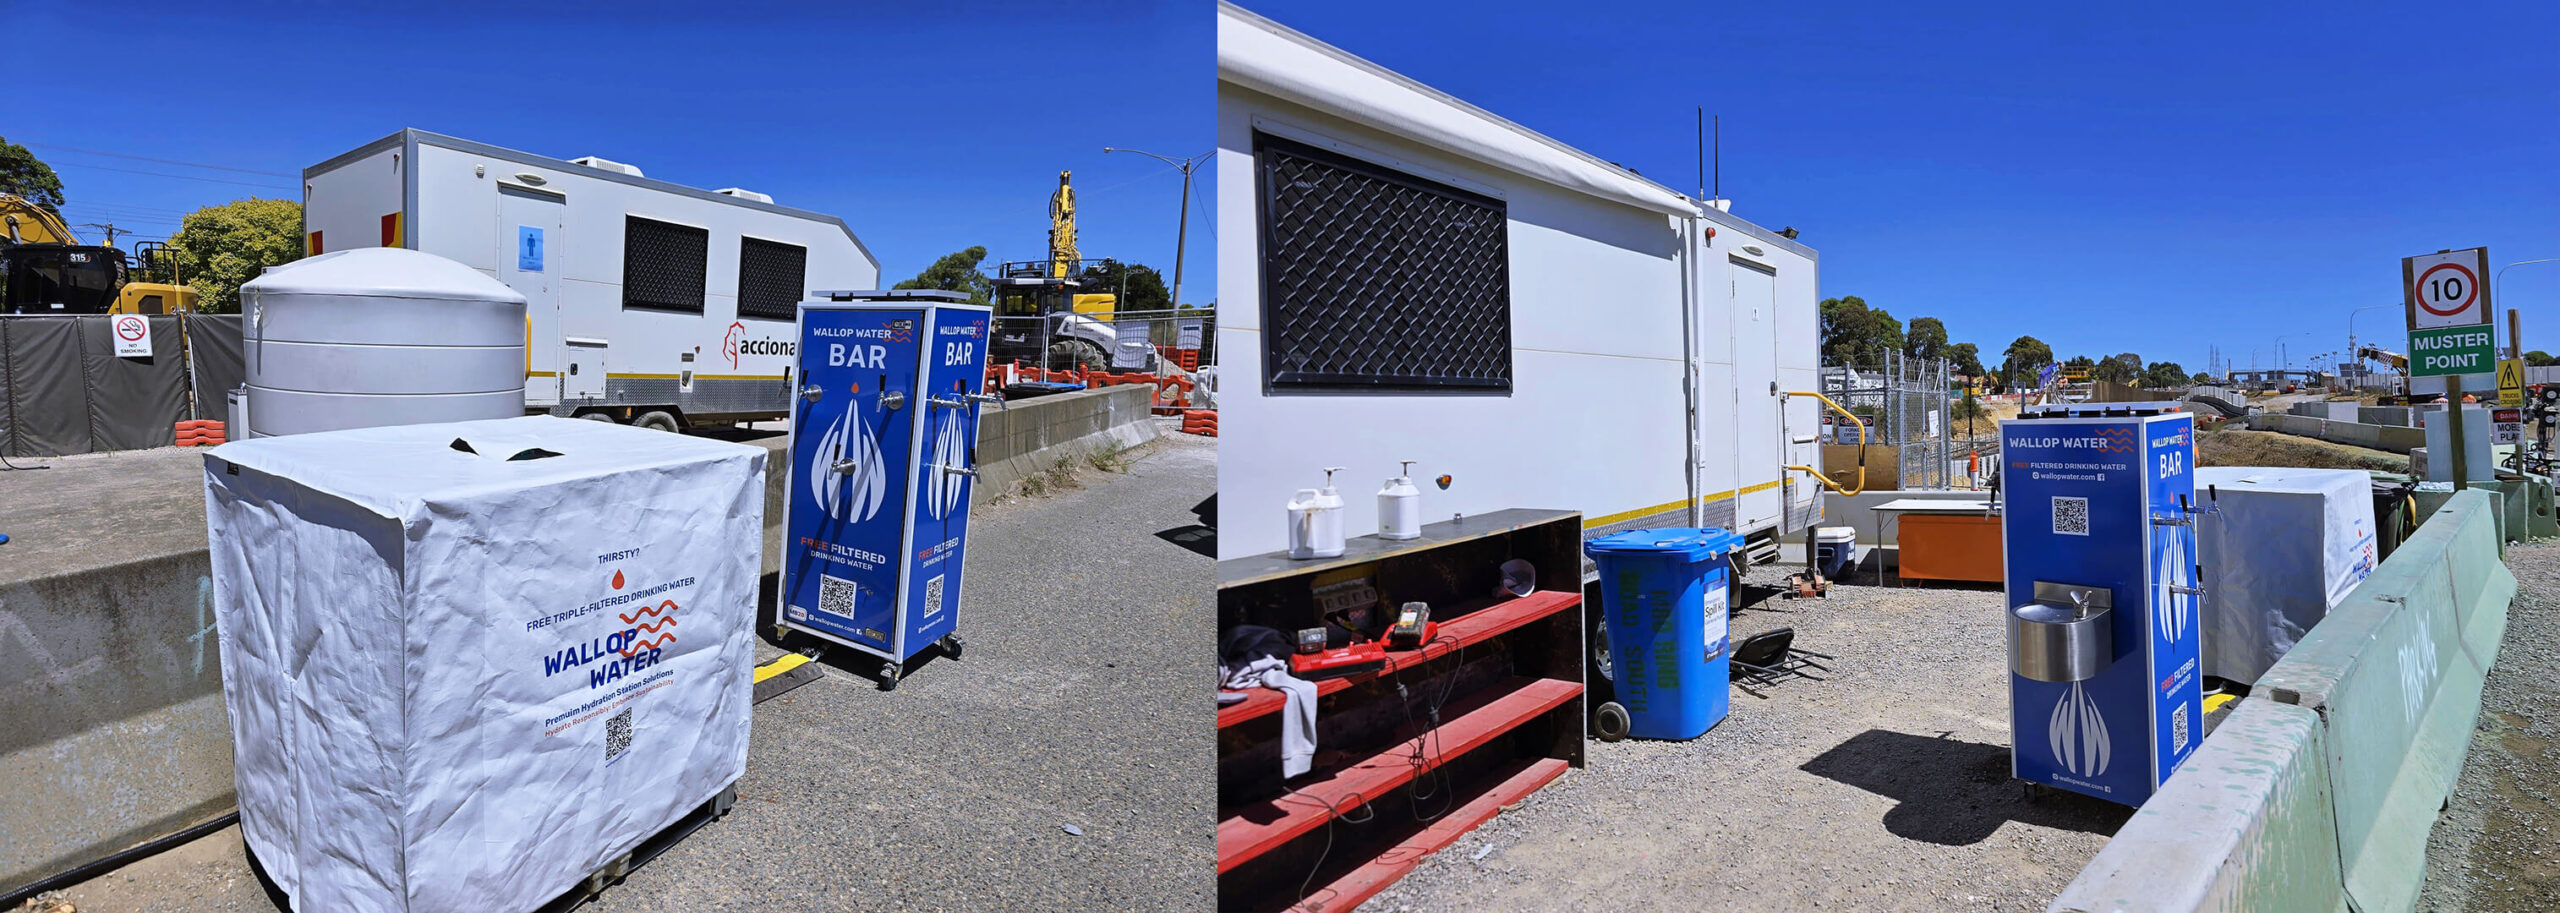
(927,129)
(2151,177)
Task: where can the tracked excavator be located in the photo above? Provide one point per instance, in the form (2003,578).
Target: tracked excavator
(48,271)
(1073,327)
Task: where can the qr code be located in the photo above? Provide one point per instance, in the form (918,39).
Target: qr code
(835,596)
(617,734)
(2178,728)
(933,596)
(2070,516)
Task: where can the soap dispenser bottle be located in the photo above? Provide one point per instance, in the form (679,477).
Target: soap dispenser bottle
(1400,507)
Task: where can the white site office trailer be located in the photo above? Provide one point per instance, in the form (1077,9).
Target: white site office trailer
(646,300)
(1536,334)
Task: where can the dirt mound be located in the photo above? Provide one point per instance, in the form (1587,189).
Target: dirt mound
(2270,448)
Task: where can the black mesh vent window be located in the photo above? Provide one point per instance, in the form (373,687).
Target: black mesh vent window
(1373,279)
(772,276)
(664,265)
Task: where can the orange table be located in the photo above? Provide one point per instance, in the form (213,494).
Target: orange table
(1943,540)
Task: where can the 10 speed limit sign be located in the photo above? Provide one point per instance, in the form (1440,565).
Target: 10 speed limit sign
(2448,289)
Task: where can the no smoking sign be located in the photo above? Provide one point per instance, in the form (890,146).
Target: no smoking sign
(133,335)
(2445,289)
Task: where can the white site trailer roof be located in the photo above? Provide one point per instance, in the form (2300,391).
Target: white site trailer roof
(1619,294)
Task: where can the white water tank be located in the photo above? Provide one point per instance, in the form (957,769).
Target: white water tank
(379,336)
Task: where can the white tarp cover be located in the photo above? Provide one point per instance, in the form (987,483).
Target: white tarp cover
(460,681)
(2284,546)
(1269,58)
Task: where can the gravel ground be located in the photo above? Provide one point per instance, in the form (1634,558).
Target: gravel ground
(1884,788)
(2496,849)
(1087,634)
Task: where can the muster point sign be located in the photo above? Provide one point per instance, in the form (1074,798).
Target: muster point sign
(2451,350)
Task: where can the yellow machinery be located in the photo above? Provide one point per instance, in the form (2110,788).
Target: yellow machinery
(1064,259)
(49,271)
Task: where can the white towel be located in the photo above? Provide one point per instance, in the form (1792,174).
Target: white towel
(1297,713)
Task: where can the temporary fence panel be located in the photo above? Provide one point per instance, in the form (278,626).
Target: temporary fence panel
(215,360)
(63,390)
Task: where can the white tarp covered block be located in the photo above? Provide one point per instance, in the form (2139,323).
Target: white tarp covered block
(463,681)
(2283,546)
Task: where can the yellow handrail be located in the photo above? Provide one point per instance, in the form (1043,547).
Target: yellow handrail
(1862,447)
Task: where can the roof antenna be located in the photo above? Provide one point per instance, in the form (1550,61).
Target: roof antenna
(1702,151)
(1719,157)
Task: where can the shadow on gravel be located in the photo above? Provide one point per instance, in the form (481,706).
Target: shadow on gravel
(1193,536)
(1954,792)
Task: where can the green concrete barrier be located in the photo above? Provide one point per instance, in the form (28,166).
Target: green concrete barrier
(2246,824)
(2395,674)
(2380,697)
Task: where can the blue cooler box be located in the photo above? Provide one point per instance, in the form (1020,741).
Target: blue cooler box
(1667,595)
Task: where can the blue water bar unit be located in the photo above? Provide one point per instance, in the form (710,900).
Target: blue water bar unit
(2105,697)
(883,454)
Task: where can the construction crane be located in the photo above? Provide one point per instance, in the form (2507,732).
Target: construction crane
(2397,361)
(48,271)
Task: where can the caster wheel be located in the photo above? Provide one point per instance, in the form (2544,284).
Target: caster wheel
(889,676)
(1610,723)
(951,644)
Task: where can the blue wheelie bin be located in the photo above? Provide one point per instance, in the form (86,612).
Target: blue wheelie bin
(1666,594)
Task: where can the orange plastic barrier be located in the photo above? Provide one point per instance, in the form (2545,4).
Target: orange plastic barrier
(199,433)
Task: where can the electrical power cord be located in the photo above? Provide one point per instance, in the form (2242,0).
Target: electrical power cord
(1420,760)
(1333,813)
(1416,788)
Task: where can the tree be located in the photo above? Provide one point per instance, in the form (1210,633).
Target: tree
(2122,368)
(1853,332)
(2537,358)
(1927,338)
(2163,374)
(2024,357)
(2201,380)
(1144,289)
(220,247)
(2080,361)
(956,272)
(24,175)
(1967,359)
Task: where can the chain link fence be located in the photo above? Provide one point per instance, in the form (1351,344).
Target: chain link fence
(1912,406)
(1167,344)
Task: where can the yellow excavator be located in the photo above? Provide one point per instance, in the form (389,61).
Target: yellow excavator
(48,270)
(1072,326)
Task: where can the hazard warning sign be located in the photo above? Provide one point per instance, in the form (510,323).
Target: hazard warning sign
(2511,382)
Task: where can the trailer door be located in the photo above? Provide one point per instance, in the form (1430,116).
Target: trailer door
(1757,427)
(529,223)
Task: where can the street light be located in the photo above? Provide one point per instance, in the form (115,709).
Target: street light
(2281,363)
(2496,291)
(1182,231)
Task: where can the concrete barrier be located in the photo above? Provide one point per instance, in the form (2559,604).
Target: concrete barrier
(2244,825)
(2372,437)
(1034,434)
(2383,694)
(110,676)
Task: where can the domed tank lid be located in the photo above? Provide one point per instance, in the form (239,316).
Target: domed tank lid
(382,272)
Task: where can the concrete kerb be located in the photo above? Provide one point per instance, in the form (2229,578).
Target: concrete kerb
(2391,683)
